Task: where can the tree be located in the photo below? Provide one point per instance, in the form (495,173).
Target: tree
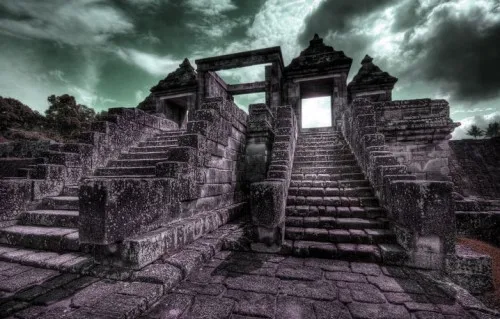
(493,129)
(66,116)
(14,114)
(475,131)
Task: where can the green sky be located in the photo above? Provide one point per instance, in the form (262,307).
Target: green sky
(109,53)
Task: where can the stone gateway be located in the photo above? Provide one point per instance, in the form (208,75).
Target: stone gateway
(195,209)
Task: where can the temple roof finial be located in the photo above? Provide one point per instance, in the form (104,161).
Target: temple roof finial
(367,59)
(316,36)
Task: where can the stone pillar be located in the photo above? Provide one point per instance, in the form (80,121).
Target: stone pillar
(292,98)
(200,94)
(268,214)
(425,221)
(260,137)
(339,98)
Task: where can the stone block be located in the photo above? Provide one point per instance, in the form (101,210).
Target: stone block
(424,210)
(15,195)
(267,207)
(114,209)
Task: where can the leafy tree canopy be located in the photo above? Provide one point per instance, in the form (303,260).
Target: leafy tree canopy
(475,131)
(493,129)
(66,116)
(14,114)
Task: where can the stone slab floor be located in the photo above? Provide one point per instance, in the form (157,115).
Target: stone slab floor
(242,285)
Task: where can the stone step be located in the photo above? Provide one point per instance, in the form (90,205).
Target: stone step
(52,218)
(71,190)
(320,133)
(327,177)
(142,155)
(72,262)
(62,158)
(321,147)
(147,149)
(344,156)
(386,253)
(321,152)
(25,172)
(314,212)
(319,163)
(60,203)
(135,162)
(156,143)
(329,184)
(163,139)
(320,143)
(171,133)
(344,223)
(327,170)
(41,237)
(126,171)
(331,191)
(334,201)
(326,139)
(330,235)
(125,176)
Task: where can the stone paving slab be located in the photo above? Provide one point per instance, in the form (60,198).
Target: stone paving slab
(252,285)
(208,283)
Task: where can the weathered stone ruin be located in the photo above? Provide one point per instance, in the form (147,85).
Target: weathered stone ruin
(140,187)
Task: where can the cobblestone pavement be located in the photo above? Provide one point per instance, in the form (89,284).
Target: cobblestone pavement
(238,285)
(248,285)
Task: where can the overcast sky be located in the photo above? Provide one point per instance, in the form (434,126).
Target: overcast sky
(110,52)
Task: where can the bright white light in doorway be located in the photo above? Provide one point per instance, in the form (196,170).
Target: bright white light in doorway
(316,112)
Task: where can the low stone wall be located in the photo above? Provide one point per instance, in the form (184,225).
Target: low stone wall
(421,211)
(268,197)
(474,167)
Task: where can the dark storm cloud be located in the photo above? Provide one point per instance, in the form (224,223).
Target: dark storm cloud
(337,15)
(461,52)
(452,45)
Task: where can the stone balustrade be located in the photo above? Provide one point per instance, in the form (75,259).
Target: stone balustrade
(268,197)
(421,211)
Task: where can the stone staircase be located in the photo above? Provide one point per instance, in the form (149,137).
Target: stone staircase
(53,224)
(331,208)
(141,159)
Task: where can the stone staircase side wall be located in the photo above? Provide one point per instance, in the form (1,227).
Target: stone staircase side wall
(203,173)
(122,128)
(268,197)
(67,163)
(421,211)
(417,133)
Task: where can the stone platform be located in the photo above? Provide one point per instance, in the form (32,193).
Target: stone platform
(204,282)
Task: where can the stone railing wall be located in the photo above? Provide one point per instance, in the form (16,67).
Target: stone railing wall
(268,197)
(203,174)
(417,133)
(421,211)
(67,163)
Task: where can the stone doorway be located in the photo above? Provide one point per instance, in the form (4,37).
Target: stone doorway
(316,112)
(176,107)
